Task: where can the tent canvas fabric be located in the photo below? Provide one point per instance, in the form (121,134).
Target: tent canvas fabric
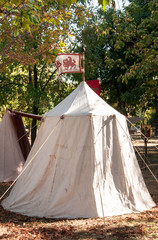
(21,133)
(11,155)
(82,164)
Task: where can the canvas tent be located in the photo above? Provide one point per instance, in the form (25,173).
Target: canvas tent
(82,164)
(14,146)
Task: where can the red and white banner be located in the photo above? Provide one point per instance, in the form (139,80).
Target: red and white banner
(69,63)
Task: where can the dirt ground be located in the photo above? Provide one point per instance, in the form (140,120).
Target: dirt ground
(140,226)
(150,172)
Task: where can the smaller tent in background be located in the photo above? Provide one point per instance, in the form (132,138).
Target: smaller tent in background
(14,146)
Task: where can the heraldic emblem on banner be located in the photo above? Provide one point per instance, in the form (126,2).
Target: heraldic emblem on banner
(68,63)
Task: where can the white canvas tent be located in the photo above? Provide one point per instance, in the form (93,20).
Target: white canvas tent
(11,157)
(82,164)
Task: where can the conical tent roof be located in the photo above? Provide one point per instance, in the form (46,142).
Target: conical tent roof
(82,164)
(82,101)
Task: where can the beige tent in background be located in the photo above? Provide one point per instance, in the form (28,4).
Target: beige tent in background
(82,164)
(14,144)
(13,150)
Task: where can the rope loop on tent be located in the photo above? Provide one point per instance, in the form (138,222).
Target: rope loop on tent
(29,161)
(140,154)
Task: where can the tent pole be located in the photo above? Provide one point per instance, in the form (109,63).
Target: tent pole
(83,71)
(83,62)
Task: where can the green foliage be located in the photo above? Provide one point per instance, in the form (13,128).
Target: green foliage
(31,35)
(153,119)
(104,3)
(27,13)
(19,93)
(121,51)
(33,31)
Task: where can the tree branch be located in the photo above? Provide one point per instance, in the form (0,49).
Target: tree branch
(49,79)
(40,77)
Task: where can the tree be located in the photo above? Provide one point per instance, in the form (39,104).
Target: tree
(27,55)
(30,91)
(104,48)
(146,46)
(21,19)
(124,46)
(31,35)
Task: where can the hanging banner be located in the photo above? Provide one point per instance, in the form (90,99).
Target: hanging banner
(95,85)
(68,63)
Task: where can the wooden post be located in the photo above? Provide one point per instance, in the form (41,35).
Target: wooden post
(145,145)
(83,62)
(83,73)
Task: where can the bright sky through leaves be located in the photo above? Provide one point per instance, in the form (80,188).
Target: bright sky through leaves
(119,3)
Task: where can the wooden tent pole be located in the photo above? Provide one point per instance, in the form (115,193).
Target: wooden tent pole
(83,62)
(38,117)
(83,73)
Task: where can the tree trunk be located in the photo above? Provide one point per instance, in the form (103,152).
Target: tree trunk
(35,108)
(118,95)
(156,133)
(30,74)
(34,126)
